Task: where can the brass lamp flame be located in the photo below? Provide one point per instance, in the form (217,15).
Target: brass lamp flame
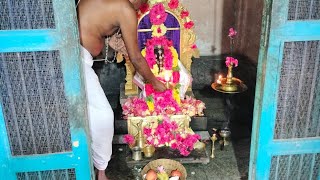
(229,84)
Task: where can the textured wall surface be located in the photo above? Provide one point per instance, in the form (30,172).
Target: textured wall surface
(245,17)
(213,18)
(207,15)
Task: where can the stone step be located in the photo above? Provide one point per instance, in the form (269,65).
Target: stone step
(118,138)
(198,123)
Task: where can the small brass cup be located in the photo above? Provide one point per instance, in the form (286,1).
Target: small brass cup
(148,151)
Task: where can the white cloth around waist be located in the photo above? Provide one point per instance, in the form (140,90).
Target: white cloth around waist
(86,56)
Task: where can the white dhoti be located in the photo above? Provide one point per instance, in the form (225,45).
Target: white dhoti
(101,117)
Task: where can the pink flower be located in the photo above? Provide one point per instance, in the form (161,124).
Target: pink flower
(230,61)
(173,4)
(167,133)
(144,8)
(184,14)
(184,152)
(174,145)
(189,25)
(158,14)
(175,76)
(128,138)
(147,131)
(232,33)
(135,107)
(168,64)
(194,46)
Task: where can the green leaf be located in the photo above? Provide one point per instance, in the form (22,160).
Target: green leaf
(177,86)
(176,68)
(149,98)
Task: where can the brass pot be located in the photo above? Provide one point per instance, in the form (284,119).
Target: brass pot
(148,151)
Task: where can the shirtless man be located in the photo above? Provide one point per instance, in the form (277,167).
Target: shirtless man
(97,19)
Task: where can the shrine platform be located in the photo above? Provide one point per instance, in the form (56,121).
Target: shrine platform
(229,164)
(223,166)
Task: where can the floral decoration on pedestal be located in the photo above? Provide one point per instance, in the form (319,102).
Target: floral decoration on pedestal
(163,59)
(168,133)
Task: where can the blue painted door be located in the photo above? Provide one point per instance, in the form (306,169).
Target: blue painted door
(43,117)
(285,141)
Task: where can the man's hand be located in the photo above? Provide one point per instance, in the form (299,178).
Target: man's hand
(158,86)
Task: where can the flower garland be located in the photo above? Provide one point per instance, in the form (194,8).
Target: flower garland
(158,14)
(135,107)
(171,71)
(158,30)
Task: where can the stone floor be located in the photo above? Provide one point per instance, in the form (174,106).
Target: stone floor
(231,163)
(223,166)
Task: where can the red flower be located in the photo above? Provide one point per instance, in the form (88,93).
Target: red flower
(184,14)
(173,4)
(144,8)
(138,15)
(194,46)
(149,89)
(189,24)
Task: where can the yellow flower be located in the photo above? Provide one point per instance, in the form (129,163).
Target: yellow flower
(155,1)
(175,56)
(150,106)
(143,52)
(155,69)
(176,95)
(158,30)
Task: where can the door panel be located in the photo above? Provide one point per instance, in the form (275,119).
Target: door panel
(43,118)
(285,140)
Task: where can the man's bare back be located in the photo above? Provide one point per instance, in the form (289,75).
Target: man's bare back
(97,19)
(100,18)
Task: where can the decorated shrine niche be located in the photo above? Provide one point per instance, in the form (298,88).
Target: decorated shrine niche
(174,25)
(167,42)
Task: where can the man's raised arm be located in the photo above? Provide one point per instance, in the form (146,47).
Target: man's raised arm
(128,23)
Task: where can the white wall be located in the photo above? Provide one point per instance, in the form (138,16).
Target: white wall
(207,16)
